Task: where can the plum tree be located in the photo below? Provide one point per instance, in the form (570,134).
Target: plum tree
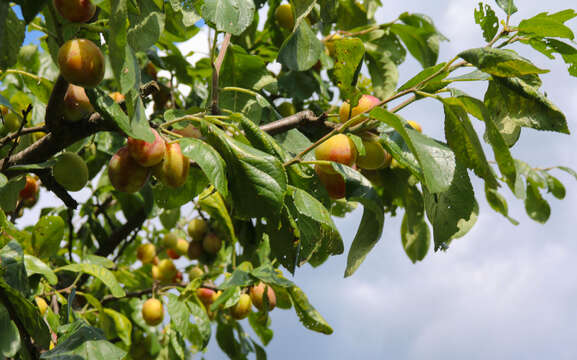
(197,228)
(242,308)
(211,243)
(77,106)
(152,312)
(81,62)
(125,174)
(366,102)
(253,152)
(146,253)
(338,148)
(285,17)
(147,154)
(260,300)
(172,171)
(75,10)
(70,171)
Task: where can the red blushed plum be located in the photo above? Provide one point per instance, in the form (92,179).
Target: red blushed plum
(366,102)
(338,148)
(257,297)
(205,295)
(77,106)
(333,183)
(146,253)
(172,171)
(147,154)
(172,254)
(190,131)
(30,190)
(81,62)
(75,10)
(125,174)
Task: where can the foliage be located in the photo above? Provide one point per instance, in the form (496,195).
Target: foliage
(232,162)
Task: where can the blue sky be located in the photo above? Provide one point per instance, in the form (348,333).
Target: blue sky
(501,292)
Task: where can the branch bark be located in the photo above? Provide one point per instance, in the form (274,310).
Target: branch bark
(305,118)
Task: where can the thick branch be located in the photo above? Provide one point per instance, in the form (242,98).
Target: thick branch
(122,233)
(52,185)
(301,119)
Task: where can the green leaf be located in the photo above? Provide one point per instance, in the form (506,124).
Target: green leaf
(99,272)
(349,53)
(384,75)
(499,62)
(489,22)
(422,43)
(415,233)
(568,171)
(514,104)
(146,31)
(454,212)
(554,186)
(257,180)
(462,138)
(31,8)
(260,323)
(230,16)
(268,275)
(209,161)
(170,198)
(12,33)
(508,6)
(238,278)
(36,266)
(498,203)
(26,312)
(550,46)
(47,235)
(13,268)
(307,314)
(318,233)
(113,113)
(301,50)
(537,208)
(122,325)
(10,340)
(359,189)
(9,193)
(436,159)
(169,217)
(212,203)
(545,25)
(87,343)
(121,56)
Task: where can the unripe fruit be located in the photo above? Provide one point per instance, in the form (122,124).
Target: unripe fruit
(30,190)
(205,295)
(170,240)
(81,62)
(155,272)
(189,131)
(42,305)
(284,16)
(415,125)
(70,171)
(117,97)
(152,312)
(75,10)
(375,155)
(286,109)
(166,270)
(257,297)
(11,120)
(181,246)
(147,154)
(366,102)
(338,148)
(172,171)
(197,228)
(77,106)
(333,183)
(125,174)
(195,272)
(195,250)
(172,254)
(242,308)
(146,253)
(211,243)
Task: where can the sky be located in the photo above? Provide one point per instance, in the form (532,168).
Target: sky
(501,292)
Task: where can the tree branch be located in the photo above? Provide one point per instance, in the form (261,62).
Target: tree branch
(301,119)
(215,73)
(52,185)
